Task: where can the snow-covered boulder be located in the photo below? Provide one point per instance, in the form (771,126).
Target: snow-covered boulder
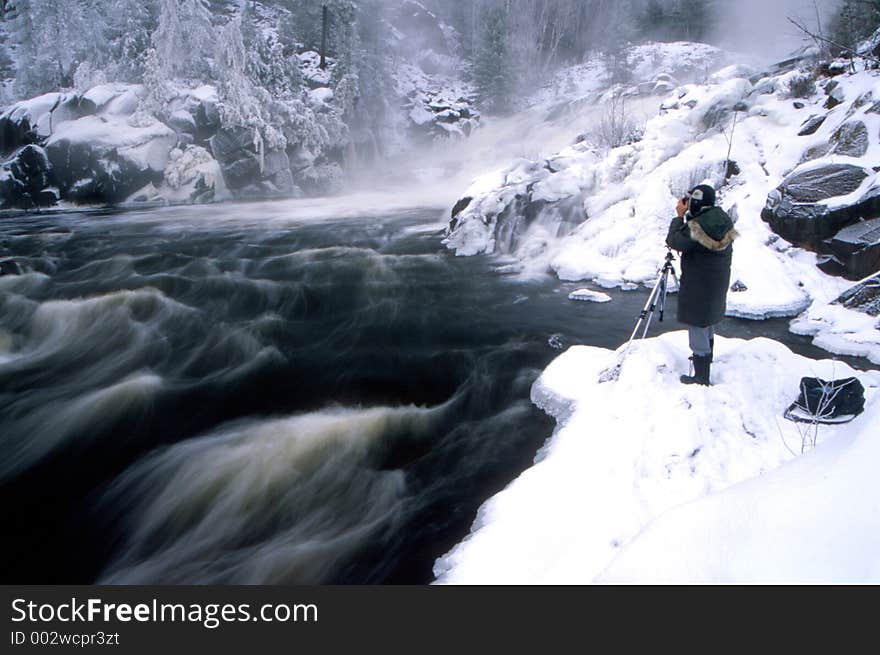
(850,139)
(435,106)
(525,204)
(193,175)
(817,200)
(857,247)
(310,67)
(849,325)
(105,159)
(629,453)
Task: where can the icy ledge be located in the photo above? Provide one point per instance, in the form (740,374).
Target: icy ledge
(639,451)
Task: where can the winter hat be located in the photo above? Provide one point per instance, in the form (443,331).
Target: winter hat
(701,196)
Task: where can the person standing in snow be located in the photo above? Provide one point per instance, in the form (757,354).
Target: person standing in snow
(703,234)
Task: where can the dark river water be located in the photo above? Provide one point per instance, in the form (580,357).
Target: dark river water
(202,395)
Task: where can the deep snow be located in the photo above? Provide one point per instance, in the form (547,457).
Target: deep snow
(615,494)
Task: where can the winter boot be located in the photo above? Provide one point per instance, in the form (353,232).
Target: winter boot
(702,365)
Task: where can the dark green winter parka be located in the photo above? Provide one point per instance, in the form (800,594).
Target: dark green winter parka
(705,243)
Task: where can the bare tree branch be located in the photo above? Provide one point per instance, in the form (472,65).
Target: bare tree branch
(819,37)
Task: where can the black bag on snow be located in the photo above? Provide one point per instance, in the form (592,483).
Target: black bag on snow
(821,401)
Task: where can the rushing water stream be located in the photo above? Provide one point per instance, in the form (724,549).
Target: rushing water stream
(252,394)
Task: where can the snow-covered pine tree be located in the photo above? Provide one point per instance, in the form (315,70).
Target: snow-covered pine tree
(183,39)
(130,26)
(694,20)
(53,38)
(268,66)
(492,70)
(243,104)
(346,44)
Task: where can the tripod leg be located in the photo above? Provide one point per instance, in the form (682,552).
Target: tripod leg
(648,313)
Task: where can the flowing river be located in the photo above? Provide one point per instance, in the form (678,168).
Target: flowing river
(268,392)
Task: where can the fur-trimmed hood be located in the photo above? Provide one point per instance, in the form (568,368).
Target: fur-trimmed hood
(699,235)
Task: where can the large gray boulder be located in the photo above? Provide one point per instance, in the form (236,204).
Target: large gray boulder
(234,149)
(857,247)
(245,172)
(101,160)
(799,211)
(850,139)
(863,297)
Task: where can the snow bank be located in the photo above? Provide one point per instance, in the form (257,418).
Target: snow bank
(627,452)
(815,520)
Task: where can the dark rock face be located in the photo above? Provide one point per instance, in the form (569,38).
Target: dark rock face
(86,175)
(233,148)
(26,180)
(863,297)
(857,247)
(461,205)
(241,166)
(835,94)
(816,152)
(795,210)
(812,125)
(823,182)
(851,139)
(15,133)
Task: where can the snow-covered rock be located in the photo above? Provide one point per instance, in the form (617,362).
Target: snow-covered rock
(193,175)
(848,325)
(615,493)
(836,183)
(104,159)
(435,106)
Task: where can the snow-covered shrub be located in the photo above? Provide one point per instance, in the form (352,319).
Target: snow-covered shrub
(801,85)
(617,126)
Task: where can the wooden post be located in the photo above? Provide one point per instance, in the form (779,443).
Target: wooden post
(324,26)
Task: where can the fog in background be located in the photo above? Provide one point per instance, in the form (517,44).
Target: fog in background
(761,28)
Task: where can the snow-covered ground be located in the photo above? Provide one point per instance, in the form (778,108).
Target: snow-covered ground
(649,480)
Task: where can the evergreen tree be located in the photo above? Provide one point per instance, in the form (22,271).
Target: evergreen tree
(855,21)
(53,38)
(130,26)
(654,22)
(182,38)
(267,64)
(492,71)
(693,20)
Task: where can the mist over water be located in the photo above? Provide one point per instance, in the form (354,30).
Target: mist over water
(761,29)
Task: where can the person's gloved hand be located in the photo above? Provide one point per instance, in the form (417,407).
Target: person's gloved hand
(681,208)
